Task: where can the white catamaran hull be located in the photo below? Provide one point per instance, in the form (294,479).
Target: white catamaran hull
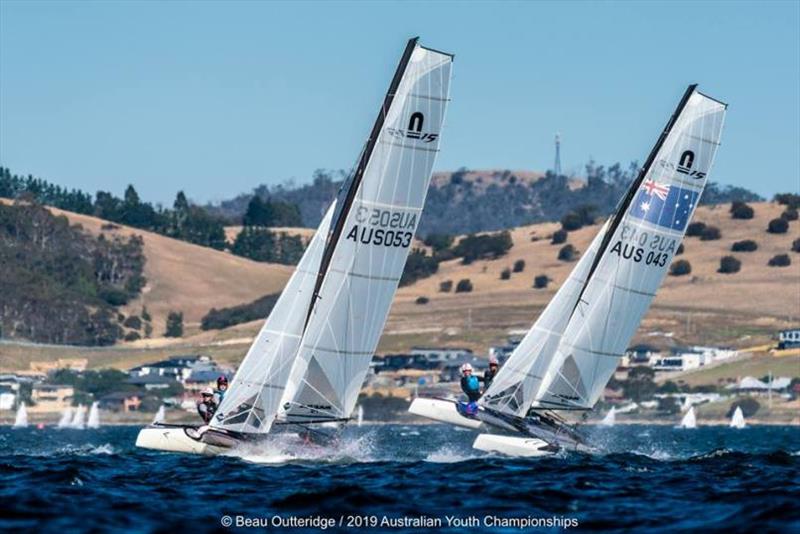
(512,446)
(443,411)
(173,439)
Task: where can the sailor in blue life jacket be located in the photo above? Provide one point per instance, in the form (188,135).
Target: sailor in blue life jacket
(471,386)
(207,405)
(222,387)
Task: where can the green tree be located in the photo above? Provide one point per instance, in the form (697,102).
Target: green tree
(639,386)
(174,324)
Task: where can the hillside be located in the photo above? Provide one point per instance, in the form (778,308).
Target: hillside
(466,200)
(190,278)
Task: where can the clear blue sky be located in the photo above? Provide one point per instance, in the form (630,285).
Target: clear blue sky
(215,98)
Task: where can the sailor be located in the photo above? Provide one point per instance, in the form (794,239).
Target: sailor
(470,384)
(489,374)
(206,406)
(222,387)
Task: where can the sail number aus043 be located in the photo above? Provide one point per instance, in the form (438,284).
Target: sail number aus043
(383,227)
(641,246)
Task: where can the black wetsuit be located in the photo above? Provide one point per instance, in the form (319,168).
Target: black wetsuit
(206,410)
(488,376)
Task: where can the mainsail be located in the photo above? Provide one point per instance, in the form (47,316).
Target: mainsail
(253,399)
(370,240)
(568,356)
(634,255)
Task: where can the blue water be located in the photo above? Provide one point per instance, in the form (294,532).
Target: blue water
(649,477)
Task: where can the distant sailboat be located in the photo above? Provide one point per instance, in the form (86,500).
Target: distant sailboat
(79,420)
(610,417)
(21,420)
(94,417)
(360,413)
(737,421)
(689,420)
(160,415)
(66,418)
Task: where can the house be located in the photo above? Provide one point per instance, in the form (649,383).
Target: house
(151,381)
(437,355)
(121,402)
(198,381)
(177,368)
(51,397)
(678,362)
(502,352)
(749,384)
(7,398)
(789,339)
(640,355)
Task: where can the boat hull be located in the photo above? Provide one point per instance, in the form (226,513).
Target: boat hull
(513,446)
(443,411)
(174,439)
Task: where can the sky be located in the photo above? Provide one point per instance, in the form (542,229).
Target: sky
(216,98)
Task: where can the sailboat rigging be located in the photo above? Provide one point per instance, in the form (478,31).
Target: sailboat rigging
(308,362)
(566,358)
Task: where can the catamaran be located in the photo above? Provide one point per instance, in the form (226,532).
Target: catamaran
(737,420)
(308,362)
(689,420)
(564,362)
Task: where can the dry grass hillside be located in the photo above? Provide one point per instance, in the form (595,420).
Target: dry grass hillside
(728,306)
(190,278)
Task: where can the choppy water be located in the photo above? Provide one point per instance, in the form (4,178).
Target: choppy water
(654,478)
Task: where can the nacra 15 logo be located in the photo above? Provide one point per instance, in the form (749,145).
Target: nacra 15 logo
(414,130)
(684,165)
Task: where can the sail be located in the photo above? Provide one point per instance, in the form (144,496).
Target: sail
(66,418)
(21,420)
(160,415)
(689,420)
(634,256)
(253,398)
(94,417)
(80,417)
(737,421)
(610,419)
(370,241)
(514,388)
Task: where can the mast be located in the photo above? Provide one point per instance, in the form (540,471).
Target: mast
(358,175)
(622,208)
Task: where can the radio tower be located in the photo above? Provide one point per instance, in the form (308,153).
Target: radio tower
(557,167)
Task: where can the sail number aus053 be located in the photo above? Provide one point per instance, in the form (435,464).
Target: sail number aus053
(641,246)
(384,227)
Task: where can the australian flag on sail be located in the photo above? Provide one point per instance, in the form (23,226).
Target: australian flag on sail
(669,206)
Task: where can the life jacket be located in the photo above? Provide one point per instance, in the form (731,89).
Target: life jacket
(472,383)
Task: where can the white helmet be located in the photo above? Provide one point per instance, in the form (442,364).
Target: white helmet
(207,391)
(493,360)
(466,367)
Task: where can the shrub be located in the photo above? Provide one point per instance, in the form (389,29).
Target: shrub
(729,264)
(680,268)
(174,324)
(446,286)
(258,309)
(740,210)
(780,260)
(748,245)
(789,214)
(418,265)
(438,242)
(541,281)
(132,336)
(578,218)
(567,253)
(559,236)
(485,246)
(133,322)
(570,222)
(748,405)
(710,233)
(519,266)
(422,300)
(505,274)
(695,229)
(778,226)
(464,286)
(791,200)
(796,245)
(113,295)
(680,250)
